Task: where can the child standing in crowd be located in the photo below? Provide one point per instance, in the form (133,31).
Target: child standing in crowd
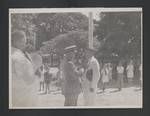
(40,73)
(47,79)
(130,72)
(42,78)
(120,71)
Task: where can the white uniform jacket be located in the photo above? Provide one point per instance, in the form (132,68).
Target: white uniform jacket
(90,81)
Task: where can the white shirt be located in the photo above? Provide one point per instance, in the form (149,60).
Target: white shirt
(42,73)
(130,71)
(105,77)
(120,69)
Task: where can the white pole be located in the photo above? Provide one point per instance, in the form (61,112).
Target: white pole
(90,36)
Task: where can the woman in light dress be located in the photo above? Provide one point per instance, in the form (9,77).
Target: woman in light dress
(130,72)
(105,76)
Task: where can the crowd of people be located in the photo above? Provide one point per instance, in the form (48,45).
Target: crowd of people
(123,72)
(74,76)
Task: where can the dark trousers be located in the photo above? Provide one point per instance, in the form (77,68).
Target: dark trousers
(47,89)
(104,86)
(120,81)
(41,86)
(71,100)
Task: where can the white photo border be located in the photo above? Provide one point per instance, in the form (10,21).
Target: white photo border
(65,10)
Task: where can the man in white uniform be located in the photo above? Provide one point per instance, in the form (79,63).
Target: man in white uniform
(90,78)
(22,72)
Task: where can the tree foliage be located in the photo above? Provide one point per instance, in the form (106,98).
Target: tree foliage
(48,25)
(120,33)
(78,38)
(54,24)
(25,22)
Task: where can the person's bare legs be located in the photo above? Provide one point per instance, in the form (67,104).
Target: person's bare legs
(40,86)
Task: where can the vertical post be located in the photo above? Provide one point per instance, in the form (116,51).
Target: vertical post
(90,34)
(34,40)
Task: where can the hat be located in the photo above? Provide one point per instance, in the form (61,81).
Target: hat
(70,48)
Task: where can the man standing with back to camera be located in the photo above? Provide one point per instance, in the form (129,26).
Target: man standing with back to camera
(71,84)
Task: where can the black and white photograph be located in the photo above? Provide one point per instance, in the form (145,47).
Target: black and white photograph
(75,58)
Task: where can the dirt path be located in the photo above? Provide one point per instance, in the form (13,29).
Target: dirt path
(111,98)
